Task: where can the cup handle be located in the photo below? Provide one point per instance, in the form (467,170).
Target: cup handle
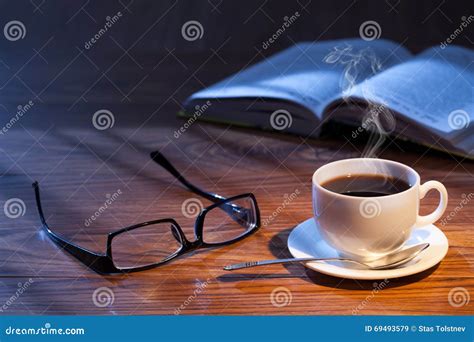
(443,202)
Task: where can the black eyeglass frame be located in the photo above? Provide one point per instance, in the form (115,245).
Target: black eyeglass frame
(103,263)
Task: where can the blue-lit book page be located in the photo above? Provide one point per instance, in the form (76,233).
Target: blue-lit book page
(434,89)
(309,74)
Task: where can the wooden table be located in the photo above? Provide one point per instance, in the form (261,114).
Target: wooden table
(78,166)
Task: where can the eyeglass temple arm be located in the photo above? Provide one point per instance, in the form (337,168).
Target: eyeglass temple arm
(161,160)
(89,258)
(236,212)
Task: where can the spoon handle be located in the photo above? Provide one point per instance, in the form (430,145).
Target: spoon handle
(283,261)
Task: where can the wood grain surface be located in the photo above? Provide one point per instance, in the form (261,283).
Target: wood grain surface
(77,170)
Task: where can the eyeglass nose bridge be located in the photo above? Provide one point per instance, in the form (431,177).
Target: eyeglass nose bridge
(176,234)
(190,246)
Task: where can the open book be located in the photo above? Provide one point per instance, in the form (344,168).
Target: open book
(373,85)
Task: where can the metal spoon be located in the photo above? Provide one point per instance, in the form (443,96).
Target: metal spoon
(391,260)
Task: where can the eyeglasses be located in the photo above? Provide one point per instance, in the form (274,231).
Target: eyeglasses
(150,244)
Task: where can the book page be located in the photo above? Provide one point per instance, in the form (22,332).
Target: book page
(306,73)
(434,89)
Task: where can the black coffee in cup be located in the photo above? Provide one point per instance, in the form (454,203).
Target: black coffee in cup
(366,185)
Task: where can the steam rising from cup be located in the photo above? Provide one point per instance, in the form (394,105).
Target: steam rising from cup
(359,65)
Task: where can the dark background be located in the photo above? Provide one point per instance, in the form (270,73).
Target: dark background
(142,65)
(418,24)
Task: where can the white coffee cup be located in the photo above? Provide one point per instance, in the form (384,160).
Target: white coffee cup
(364,228)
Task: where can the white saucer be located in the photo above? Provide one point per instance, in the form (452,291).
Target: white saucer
(305,241)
